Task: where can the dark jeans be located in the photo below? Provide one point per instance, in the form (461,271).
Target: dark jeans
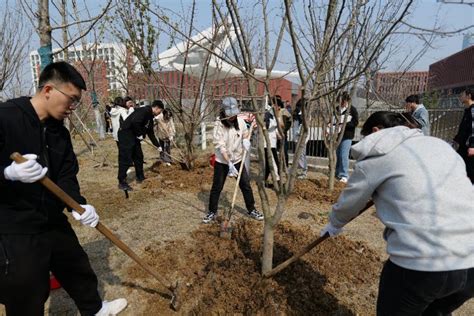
(267,164)
(409,292)
(220,174)
(130,153)
(24,279)
(469,161)
(166,150)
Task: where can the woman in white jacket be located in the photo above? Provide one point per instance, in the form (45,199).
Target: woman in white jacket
(425,199)
(118,114)
(230,138)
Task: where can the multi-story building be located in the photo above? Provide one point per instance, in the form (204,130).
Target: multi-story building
(115,57)
(452,74)
(394,87)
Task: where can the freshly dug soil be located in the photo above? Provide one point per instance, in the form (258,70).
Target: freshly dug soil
(316,190)
(222,276)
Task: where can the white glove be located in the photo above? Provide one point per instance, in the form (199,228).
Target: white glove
(331,230)
(246,144)
(171,138)
(140,138)
(89,217)
(26,172)
(232,170)
(160,149)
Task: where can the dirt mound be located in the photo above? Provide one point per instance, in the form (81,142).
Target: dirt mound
(175,178)
(223,276)
(316,190)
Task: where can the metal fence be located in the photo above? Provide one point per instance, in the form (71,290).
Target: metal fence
(444,124)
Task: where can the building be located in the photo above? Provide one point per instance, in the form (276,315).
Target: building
(452,74)
(175,85)
(115,57)
(394,87)
(468,40)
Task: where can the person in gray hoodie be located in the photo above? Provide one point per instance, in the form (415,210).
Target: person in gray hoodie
(419,113)
(425,200)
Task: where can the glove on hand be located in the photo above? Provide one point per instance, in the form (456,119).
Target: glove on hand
(160,149)
(246,144)
(26,172)
(331,230)
(89,217)
(232,170)
(140,138)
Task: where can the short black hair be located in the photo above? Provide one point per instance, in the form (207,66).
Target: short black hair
(344,96)
(127,98)
(470,92)
(387,119)
(61,72)
(413,98)
(158,103)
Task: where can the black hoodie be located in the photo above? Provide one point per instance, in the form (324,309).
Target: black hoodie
(30,208)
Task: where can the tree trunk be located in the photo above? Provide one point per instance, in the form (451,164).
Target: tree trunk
(332,166)
(268,241)
(44,31)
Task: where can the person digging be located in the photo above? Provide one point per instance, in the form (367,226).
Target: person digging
(230,137)
(131,133)
(35,235)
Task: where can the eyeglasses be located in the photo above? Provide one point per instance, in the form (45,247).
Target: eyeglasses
(75,101)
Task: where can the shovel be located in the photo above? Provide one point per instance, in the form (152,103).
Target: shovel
(307,249)
(182,163)
(172,289)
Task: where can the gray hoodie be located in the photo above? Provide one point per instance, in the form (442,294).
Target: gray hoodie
(422,195)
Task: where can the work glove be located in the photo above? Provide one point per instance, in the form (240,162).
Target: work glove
(246,144)
(232,170)
(140,138)
(160,149)
(89,217)
(331,230)
(26,172)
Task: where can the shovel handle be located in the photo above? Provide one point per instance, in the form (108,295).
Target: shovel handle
(69,201)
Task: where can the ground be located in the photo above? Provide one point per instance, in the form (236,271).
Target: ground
(161,222)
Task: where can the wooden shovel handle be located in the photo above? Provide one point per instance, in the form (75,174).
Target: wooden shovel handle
(69,201)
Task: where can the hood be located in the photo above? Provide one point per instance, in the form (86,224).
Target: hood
(383,141)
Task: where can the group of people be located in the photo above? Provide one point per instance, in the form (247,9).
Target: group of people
(130,125)
(422,190)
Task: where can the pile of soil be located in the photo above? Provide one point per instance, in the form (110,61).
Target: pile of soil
(316,190)
(176,178)
(222,276)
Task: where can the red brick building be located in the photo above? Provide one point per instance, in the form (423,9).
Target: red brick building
(396,86)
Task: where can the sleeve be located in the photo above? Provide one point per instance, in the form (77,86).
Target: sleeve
(172,128)
(218,138)
(353,199)
(470,140)
(355,118)
(151,133)
(67,177)
(138,122)
(2,168)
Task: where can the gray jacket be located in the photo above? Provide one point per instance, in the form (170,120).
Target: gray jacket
(422,195)
(422,117)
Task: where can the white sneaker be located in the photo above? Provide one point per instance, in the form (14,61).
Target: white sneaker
(168,164)
(343,180)
(112,308)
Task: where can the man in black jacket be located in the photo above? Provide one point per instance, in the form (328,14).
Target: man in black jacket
(35,235)
(464,139)
(131,133)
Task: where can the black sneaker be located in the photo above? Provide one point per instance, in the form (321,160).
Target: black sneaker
(256,215)
(124,186)
(140,180)
(210,216)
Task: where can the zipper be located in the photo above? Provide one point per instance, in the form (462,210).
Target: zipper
(4,250)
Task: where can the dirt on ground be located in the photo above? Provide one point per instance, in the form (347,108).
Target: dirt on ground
(223,276)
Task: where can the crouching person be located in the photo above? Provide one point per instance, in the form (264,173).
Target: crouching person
(35,235)
(230,138)
(426,205)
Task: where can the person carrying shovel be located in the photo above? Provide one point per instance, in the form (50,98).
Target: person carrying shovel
(230,138)
(425,200)
(35,235)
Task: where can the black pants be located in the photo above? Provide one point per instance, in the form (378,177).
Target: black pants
(166,150)
(469,161)
(130,153)
(409,292)
(267,163)
(24,279)
(220,174)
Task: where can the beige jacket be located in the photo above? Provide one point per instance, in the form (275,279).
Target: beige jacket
(229,141)
(164,130)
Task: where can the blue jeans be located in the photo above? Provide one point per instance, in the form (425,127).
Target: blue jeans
(342,154)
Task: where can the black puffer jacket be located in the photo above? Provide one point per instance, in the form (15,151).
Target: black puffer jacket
(30,208)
